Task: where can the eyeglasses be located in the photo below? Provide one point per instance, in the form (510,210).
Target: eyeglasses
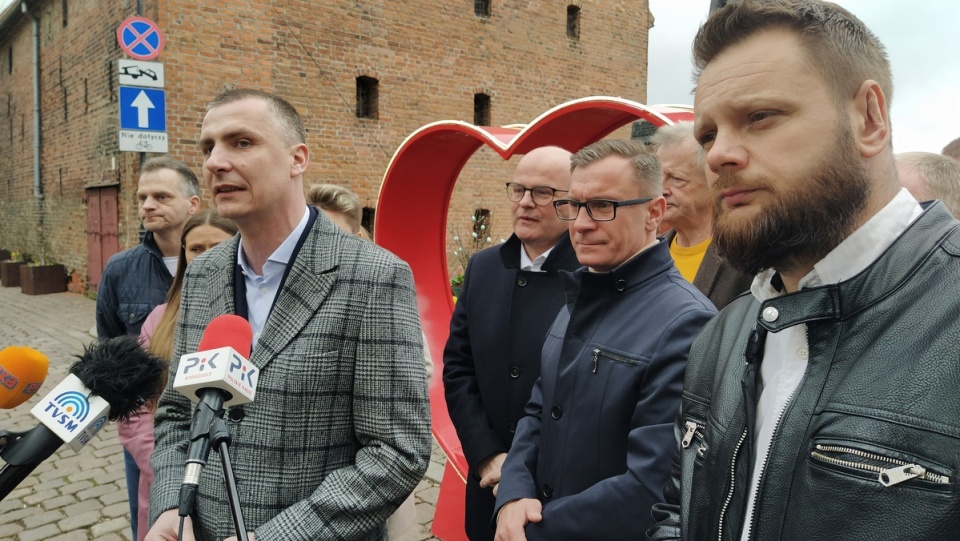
(599,210)
(541,195)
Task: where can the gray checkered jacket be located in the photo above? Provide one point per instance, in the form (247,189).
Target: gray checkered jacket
(339,433)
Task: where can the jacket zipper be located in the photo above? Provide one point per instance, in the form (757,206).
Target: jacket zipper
(693,429)
(899,472)
(766,457)
(733,482)
(597,353)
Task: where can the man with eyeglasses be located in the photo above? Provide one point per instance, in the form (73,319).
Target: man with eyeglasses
(510,295)
(592,453)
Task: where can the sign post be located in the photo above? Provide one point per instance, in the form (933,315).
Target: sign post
(143,102)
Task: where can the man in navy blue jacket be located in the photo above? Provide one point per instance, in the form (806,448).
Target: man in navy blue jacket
(135,281)
(592,453)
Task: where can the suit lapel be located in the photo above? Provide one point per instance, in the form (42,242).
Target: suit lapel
(708,273)
(219,280)
(307,286)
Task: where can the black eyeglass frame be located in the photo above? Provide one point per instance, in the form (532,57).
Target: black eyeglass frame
(525,190)
(586,204)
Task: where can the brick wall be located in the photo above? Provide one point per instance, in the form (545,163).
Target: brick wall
(430,57)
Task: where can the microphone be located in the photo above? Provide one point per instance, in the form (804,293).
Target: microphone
(22,371)
(217,376)
(109,381)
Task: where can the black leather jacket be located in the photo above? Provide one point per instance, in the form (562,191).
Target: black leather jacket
(869,446)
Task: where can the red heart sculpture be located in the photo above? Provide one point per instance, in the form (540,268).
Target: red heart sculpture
(411,223)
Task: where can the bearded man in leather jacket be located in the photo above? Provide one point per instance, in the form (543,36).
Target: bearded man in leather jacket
(824,405)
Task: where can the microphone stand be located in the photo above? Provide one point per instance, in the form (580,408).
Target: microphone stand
(209,412)
(22,452)
(221,438)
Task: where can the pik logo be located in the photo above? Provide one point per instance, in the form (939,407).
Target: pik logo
(201,364)
(246,374)
(7,379)
(68,408)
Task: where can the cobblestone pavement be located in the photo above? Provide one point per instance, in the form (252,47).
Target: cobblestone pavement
(83,496)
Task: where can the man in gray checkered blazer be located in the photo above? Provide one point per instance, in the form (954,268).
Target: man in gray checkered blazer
(339,433)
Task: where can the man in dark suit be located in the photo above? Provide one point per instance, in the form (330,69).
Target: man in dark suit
(592,452)
(339,433)
(510,295)
(690,216)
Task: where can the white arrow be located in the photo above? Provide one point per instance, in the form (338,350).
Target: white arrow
(143,105)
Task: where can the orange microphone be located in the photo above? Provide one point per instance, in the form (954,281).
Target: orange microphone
(22,371)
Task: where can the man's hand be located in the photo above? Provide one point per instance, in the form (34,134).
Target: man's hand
(489,470)
(515,516)
(250,536)
(166,526)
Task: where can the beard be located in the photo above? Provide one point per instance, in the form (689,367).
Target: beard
(809,216)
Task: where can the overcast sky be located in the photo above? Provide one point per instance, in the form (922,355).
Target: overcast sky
(922,38)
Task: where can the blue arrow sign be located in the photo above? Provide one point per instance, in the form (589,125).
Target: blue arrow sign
(143,109)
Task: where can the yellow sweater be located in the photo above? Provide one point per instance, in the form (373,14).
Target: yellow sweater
(688,258)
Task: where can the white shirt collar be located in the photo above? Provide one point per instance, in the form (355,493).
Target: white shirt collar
(283,252)
(535,265)
(857,252)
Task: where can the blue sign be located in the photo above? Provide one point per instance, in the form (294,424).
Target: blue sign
(143,109)
(140,38)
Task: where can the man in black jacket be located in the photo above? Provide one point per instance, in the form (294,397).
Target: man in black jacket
(824,405)
(510,295)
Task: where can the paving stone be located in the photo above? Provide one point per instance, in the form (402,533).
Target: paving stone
(111,537)
(435,471)
(77,486)
(35,498)
(17,514)
(42,533)
(116,510)
(70,536)
(110,526)
(79,520)
(59,501)
(429,495)
(10,504)
(10,529)
(96,492)
(82,507)
(119,495)
(39,519)
(92,473)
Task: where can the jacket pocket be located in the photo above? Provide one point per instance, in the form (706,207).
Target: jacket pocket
(886,469)
(133,313)
(606,355)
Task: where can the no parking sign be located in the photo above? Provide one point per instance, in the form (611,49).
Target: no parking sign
(140,38)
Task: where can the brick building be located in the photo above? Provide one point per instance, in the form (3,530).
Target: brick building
(364,75)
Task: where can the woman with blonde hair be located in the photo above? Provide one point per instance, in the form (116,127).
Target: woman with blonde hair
(203,231)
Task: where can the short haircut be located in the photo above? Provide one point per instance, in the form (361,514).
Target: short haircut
(189,185)
(333,198)
(287,119)
(838,45)
(646,166)
(942,175)
(676,134)
(952,149)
